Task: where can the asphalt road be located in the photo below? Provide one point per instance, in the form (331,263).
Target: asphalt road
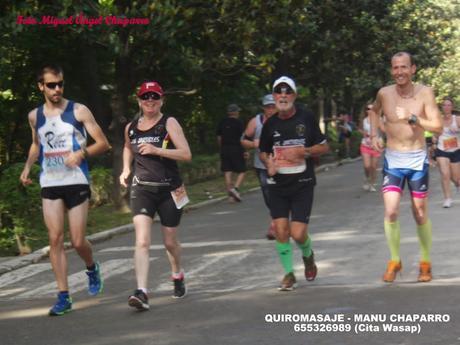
(232,275)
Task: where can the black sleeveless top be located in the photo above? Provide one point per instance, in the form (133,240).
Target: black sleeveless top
(150,168)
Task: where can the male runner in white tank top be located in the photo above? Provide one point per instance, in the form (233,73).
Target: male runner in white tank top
(59,130)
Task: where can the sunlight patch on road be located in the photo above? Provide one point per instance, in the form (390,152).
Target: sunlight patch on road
(335,235)
(20,314)
(194,245)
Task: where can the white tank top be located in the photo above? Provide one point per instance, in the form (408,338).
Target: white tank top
(58,136)
(259,124)
(366,140)
(448,140)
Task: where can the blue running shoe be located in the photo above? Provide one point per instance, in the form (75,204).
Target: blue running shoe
(95,283)
(63,305)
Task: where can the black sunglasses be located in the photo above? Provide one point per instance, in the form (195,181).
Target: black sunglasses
(53,85)
(150,95)
(283,89)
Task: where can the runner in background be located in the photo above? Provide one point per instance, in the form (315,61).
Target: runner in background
(250,140)
(448,151)
(430,147)
(232,155)
(369,155)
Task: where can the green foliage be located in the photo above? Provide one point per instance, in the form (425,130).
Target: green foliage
(338,148)
(20,207)
(101,186)
(201,168)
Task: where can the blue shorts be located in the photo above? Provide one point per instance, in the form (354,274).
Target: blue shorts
(394,180)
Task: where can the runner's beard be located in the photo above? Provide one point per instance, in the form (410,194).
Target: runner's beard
(285,106)
(56,99)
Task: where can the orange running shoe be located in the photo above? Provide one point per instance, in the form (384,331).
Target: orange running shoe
(392,268)
(425,272)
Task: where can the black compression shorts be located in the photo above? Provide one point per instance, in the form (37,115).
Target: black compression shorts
(294,202)
(148,200)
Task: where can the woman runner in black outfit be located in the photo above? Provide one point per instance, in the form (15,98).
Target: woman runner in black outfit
(155,142)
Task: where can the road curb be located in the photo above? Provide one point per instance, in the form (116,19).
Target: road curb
(102,236)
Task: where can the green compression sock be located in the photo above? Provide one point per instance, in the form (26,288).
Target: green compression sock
(305,247)
(393,235)
(285,253)
(425,240)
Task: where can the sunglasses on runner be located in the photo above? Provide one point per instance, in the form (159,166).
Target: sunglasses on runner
(150,95)
(283,89)
(53,85)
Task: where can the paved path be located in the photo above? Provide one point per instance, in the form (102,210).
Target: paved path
(233,272)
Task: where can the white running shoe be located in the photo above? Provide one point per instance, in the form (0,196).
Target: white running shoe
(447,203)
(366,186)
(372,188)
(235,194)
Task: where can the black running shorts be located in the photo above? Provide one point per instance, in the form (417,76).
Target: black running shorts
(453,156)
(232,159)
(148,200)
(72,195)
(294,202)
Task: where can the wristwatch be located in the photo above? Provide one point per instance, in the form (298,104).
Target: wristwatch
(412,119)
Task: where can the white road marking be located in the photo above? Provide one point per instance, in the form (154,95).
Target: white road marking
(195,245)
(79,281)
(22,273)
(223,212)
(210,267)
(326,236)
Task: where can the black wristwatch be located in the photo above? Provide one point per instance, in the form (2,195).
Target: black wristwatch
(412,119)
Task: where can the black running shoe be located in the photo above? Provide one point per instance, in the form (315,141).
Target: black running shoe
(139,300)
(179,287)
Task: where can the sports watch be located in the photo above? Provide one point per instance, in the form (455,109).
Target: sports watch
(412,119)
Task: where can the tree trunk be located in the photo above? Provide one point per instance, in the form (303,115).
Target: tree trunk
(91,85)
(119,106)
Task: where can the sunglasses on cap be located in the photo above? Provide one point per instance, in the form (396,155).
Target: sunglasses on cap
(283,89)
(150,95)
(53,85)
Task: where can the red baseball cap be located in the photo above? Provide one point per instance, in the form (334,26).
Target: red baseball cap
(150,86)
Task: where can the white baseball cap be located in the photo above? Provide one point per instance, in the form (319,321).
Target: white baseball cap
(285,80)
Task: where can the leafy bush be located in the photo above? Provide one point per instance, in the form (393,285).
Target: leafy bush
(20,207)
(101,186)
(201,168)
(339,147)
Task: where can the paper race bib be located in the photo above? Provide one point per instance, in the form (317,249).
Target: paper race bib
(290,159)
(55,165)
(450,143)
(180,197)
